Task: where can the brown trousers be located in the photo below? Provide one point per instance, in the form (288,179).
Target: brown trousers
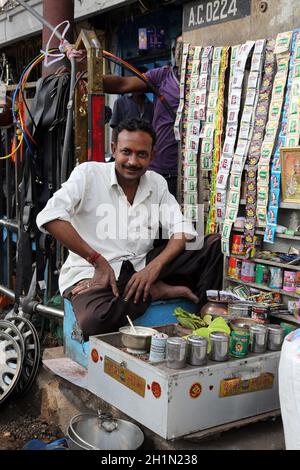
(98,311)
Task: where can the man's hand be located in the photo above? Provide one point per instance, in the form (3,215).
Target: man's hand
(104,276)
(141,282)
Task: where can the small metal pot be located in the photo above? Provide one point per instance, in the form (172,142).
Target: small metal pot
(88,431)
(197,350)
(219,346)
(258,338)
(137,342)
(275,337)
(176,353)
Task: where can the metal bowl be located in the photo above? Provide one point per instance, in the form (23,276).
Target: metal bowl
(138,342)
(242,323)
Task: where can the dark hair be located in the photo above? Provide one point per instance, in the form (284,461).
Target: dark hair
(136,124)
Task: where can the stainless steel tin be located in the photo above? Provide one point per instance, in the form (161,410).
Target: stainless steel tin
(219,346)
(275,337)
(196,350)
(176,353)
(240,309)
(258,338)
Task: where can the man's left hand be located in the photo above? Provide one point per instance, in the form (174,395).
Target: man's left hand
(141,282)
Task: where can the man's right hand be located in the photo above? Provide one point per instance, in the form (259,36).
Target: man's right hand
(104,276)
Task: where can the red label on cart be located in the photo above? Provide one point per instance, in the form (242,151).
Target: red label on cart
(231,387)
(131,380)
(195,390)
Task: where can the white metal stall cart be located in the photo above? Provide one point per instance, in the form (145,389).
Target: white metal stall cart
(175,403)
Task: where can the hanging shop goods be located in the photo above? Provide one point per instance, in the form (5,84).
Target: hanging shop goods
(256,143)
(234,105)
(211,226)
(276,117)
(289,132)
(41,177)
(244,139)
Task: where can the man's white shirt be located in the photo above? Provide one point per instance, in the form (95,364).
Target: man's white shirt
(95,204)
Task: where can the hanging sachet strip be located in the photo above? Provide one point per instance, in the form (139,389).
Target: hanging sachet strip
(282,58)
(190,183)
(184,97)
(256,143)
(244,139)
(185,50)
(192,140)
(286,125)
(208,130)
(234,103)
(293,125)
(211,222)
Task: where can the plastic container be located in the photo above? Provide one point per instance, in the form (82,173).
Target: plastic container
(276,277)
(289,281)
(260,313)
(248,271)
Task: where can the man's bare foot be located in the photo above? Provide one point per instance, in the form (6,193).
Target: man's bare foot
(162,291)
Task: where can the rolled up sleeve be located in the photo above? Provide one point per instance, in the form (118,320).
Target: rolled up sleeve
(171,218)
(64,201)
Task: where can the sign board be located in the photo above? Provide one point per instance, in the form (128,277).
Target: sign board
(206,13)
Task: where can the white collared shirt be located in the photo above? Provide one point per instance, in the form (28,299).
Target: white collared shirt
(95,204)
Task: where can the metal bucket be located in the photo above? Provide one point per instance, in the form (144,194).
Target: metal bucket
(89,431)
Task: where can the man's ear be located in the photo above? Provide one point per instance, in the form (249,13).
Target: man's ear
(113,147)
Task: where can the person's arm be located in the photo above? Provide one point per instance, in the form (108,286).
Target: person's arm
(141,282)
(56,219)
(66,234)
(114,84)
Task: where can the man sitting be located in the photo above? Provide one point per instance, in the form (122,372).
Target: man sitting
(108,215)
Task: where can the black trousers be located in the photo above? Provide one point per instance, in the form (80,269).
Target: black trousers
(98,311)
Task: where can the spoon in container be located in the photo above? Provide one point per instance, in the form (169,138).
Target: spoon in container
(131,324)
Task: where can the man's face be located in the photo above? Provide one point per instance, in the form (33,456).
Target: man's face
(133,153)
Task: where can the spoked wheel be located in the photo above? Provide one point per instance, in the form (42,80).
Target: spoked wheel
(10,364)
(31,355)
(14,332)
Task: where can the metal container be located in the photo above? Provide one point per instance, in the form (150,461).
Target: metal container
(239,341)
(176,353)
(258,338)
(275,337)
(214,308)
(240,309)
(241,323)
(140,342)
(197,350)
(89,431)
(260,313)
(219,346)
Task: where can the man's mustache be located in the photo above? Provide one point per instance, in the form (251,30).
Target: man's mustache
(132,168)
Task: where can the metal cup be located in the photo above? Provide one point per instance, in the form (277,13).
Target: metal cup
(258,338)
(176,353)
(275,337)
(219,346)
(197,350)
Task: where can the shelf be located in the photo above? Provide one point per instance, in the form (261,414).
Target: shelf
(278,235)
(268,262)
(289,205)
(263,287)
(288,318)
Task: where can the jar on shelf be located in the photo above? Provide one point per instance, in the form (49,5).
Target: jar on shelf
(289,281)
